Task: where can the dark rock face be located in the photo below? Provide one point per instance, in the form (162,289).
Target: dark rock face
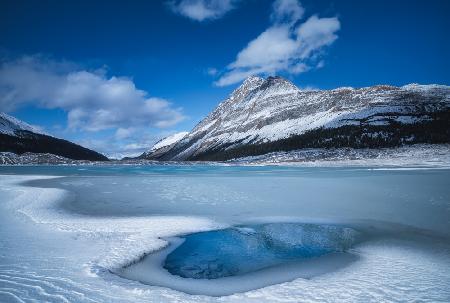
(270,115)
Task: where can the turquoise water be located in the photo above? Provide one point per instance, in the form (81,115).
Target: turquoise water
(240,250)
(195,169)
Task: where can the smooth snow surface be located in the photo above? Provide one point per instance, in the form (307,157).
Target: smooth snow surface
(66,232)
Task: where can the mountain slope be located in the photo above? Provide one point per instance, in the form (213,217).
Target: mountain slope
(267,115)
(19,137)
(163,146)
(11,126)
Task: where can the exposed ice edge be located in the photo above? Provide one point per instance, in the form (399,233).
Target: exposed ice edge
(418,155)
(150,271)
(129,239)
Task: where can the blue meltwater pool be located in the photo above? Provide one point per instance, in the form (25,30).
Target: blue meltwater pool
(240,250)
(246,257)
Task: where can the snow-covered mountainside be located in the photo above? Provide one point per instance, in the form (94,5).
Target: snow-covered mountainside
(268,115)
(163,145)
(14,127)
(19,137)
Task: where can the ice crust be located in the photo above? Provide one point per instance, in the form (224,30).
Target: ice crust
(132,237)
(51,253)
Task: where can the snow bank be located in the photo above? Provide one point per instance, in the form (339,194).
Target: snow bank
(131,238)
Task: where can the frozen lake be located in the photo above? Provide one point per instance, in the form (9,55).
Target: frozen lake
(141,233)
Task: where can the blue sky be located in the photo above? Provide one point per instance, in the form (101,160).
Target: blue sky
(116,76)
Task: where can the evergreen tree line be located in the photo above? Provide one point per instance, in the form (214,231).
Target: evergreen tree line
(436,130)
(36,143)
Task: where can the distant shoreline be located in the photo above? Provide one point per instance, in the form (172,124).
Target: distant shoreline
(418,155)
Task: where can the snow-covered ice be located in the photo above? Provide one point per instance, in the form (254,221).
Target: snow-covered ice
(66,231)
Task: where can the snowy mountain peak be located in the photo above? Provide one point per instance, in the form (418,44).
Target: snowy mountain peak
(265,115)
(277,80)
(279,85)
(246,87)
(272,83)
(252,80)
(12,126)
(253,89)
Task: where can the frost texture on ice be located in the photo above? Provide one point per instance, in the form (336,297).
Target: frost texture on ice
(53,254)
(133,237)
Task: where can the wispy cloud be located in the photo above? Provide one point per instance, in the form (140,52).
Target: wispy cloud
(93,101)
(202,10)
(212,71)
(286,46)
(286,11)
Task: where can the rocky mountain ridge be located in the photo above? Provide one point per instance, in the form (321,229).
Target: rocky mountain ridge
(270,115)
(19,137)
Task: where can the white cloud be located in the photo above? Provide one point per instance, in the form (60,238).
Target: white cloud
(92,100)
(272,48)
(129,142)
(237,75)
(285,46)
(287,11)
(315,33)
(124,133)
(202,10)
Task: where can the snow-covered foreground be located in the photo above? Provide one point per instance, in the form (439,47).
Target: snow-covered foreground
(65,230)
